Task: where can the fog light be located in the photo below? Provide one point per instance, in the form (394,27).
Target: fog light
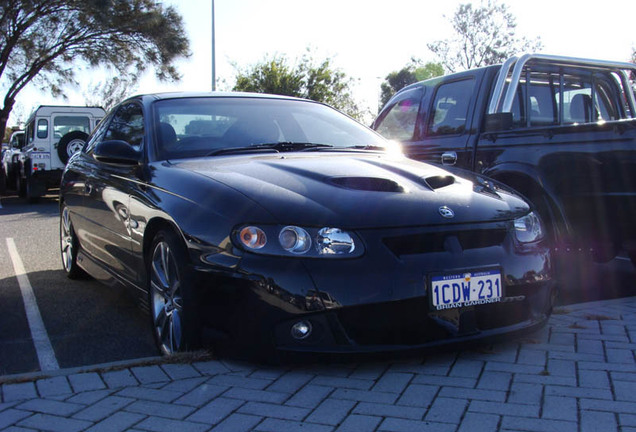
(301,330)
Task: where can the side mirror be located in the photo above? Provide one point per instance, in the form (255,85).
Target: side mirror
(498,122)
(117,152)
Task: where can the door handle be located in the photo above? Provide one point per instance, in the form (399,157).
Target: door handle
(449,158)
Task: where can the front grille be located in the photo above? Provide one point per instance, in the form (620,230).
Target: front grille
(445,241)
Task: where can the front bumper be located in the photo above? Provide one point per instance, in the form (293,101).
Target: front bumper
(378,303)
(412,325)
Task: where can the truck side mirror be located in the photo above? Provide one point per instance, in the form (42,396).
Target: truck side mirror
(498,122)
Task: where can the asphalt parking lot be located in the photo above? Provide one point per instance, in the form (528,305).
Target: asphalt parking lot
(577,374)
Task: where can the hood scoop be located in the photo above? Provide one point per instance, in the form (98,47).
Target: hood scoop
(371,184)
(438,182)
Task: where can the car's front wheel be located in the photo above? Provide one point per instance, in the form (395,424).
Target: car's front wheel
(173,307)
(69,245)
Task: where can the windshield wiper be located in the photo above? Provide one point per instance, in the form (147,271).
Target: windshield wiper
(270,147)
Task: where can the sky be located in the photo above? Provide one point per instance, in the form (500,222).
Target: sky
(366,39)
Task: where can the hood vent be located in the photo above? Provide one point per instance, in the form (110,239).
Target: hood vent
(438,182)
(371,184)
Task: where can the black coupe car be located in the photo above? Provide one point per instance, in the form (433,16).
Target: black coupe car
(262,225)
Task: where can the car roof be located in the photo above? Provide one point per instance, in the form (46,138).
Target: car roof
(182,95)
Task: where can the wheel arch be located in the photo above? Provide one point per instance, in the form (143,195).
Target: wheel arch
(155,225)
(528,182)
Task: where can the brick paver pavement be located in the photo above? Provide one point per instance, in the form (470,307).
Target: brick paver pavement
(577,374)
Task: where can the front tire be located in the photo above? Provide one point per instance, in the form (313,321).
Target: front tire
(69,245)
(173,308)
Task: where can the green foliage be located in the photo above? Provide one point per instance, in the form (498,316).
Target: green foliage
(484,35)
(409,74)
(47,41)
(309,79)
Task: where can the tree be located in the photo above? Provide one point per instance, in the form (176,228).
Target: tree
(409,74)
(48,41)
(485,35)
(309,79)
(108,93)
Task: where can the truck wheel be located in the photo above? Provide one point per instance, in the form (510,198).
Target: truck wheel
(10,174)
(3,181)
(20,186)
(70,144)
(34,190)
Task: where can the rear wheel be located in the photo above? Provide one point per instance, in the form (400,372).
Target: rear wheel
(20,185)
(173,307)
(34,190)
(69,245)
(3,180)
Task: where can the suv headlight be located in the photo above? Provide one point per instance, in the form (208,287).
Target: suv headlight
(528,228)
(290,240)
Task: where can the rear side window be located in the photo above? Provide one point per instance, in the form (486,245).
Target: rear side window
(544,99)
(43,128)
(450,108)
(398,123)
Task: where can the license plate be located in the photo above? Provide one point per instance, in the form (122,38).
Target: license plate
(466,289)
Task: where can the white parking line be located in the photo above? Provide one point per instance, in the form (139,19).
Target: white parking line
(43,347)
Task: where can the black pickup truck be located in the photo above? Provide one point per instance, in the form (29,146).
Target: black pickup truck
(560,130)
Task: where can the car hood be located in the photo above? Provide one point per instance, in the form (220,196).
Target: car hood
(358,190)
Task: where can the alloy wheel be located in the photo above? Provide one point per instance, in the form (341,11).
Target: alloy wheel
(66,240)
(166,299)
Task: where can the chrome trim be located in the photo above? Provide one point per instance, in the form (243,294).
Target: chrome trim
(449,158)
(499,84)
(521,62)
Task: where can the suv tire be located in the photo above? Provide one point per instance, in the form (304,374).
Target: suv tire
(69,144)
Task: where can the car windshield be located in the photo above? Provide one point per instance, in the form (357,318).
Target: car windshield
(214,126)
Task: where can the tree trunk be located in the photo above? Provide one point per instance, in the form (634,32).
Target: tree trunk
(4,115)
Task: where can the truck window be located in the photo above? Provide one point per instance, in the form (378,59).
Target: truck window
(400,120)
(65,124)
(127,125)
(43,128)
(586,99)
(450,108)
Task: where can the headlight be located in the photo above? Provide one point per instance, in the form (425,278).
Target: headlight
(334,241)
(528,228)
(295,240)
(252,237)
(326,242)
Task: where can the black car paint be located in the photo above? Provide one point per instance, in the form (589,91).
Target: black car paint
(249,301)
(581,176)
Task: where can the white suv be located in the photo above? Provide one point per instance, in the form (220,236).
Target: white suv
(53,134)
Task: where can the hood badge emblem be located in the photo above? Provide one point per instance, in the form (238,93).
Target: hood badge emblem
(446,212)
